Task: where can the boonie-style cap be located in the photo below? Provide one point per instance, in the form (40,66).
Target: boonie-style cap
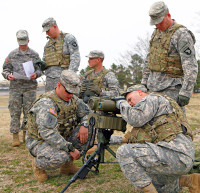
(157,12)
(96,54)
(70,80)
(22,37)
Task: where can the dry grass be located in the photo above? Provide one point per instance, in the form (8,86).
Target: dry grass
(16,173)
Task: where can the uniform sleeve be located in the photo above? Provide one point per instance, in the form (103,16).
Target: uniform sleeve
(46,119)
(111,84)
(37,68)
(145,73)
(141,113)
(70,46)
(184,40)
(82,111)
(7,67)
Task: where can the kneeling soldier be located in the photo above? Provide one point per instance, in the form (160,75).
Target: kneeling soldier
(57,128)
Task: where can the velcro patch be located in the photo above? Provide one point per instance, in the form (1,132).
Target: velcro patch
(52,111)
(187,51)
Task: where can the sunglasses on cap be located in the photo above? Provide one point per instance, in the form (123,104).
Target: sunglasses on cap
(65,89)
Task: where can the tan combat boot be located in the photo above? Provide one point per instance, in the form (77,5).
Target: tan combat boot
(16,141)
(149,189)
(23,137)
(191,181)
(92,149)
(39,174)
(69,168)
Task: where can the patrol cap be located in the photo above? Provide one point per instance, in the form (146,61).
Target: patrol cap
(70,80)
(135,88)
(48,23)
(96,54)
(22,37)
(157,12)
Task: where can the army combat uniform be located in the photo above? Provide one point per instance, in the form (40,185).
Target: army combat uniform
(53,125)
(171,67)
(105,81)
(162,148)
(22,92)
(62,53)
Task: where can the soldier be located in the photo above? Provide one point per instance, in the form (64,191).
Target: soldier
(57,128)
(172,67)
(61,52)
(162,150)
(22,91)
(99,81)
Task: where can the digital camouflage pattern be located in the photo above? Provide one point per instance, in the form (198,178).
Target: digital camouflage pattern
(161,163)
(22,92)
(70,51)
(158,59)
(53,144)
(105,81)
(182,44)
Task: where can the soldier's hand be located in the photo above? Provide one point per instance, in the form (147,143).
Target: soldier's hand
(33,76)
(182,100)
(11,77)
(94,88)
(41,64)
(75,154)
(83,134)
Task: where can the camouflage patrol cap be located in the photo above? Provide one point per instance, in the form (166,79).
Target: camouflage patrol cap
(48,23)
(96,54)
(135,88)
(22,37)
(70,80)
(157,12)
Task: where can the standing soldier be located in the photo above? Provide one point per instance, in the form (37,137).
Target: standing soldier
(22,91)
(61,52)
(172,67)
(99,81)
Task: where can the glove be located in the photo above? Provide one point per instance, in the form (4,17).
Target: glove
(94,88)
(182,100)
(41,64)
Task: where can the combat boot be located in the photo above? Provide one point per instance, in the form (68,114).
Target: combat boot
(149,189)
(23,137)
(16,141)
(191,181)
(69,168)
(39,174)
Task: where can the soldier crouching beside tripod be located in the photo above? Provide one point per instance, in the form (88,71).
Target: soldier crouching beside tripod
(162,151)
(57,128)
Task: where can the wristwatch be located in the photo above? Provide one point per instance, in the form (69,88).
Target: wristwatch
(84,124)
(71,148)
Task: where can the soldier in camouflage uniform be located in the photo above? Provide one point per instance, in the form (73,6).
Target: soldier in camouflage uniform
(99,81)
(57,129)
(61,52)
(162,150)
(22,91)
(171,67)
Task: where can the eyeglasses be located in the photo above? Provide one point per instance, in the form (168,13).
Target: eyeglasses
(65,89)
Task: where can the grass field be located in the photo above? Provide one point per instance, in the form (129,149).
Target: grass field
(16,173)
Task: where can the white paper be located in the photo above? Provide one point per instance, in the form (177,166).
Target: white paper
(19,76)
(28,68)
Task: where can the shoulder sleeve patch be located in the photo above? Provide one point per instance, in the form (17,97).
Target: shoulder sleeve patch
(52,111)
(7,60)
(51,121)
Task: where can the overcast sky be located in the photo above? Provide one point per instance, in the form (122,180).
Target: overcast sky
(112,26)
